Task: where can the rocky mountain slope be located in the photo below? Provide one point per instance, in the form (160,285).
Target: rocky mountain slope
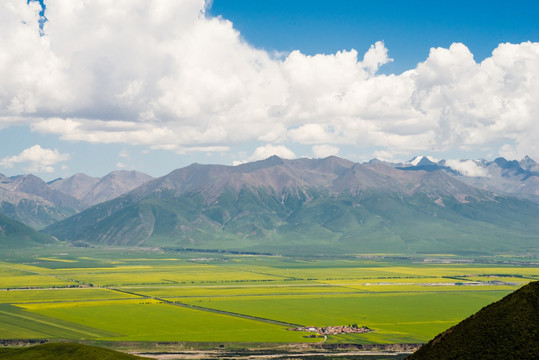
(30,200)
(507,329)
(317,205)
(508,177)
(90,190)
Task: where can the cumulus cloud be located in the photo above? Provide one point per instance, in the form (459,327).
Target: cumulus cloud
(39,160)
(264,152)
(384,155)
(310,133)
(375,57)
(467,167)
(164,75)
(325,150)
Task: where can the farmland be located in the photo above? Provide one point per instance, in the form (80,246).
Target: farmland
(135,295)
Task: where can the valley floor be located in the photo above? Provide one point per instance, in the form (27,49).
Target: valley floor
(121,297)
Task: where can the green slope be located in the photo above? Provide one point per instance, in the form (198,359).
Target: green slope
(309,222)
(64,351)
(507,329)
(35,213)
(14,234)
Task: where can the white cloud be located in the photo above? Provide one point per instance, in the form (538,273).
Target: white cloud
(264,152)
(39,160)
(375,57)
(325,150)
(467,167)
(164,75)
(310,133)
(383,155)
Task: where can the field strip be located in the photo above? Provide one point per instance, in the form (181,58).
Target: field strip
(66,301)
(234,286)
(274,295)
(320,284)
(43,274)
(29,318)
(275,275)
(222,312)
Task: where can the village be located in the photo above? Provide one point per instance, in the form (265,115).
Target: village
(335,330)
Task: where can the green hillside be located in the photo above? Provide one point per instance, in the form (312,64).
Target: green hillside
(14,234)
(64,351)
(507,329)
(256,220)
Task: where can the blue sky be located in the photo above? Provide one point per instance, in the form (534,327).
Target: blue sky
(408,28)
(153,87)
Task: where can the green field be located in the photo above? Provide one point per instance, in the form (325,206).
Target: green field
(134,295)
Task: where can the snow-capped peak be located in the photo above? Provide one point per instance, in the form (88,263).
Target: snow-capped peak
(416,160)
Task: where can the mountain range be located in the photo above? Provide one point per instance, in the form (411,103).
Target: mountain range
(332,205)
(319,206)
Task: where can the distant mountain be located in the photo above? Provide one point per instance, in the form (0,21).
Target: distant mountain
(64,351)
(517,178)
(91,190)
(505,330)
(14,234)
(30,200)
(32,185)
(316,206)
(508,177)
(77,185)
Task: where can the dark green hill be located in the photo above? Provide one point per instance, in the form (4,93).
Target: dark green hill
(505,330)
(64,351)
(14,234)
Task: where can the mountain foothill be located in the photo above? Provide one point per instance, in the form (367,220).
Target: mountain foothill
(278,206)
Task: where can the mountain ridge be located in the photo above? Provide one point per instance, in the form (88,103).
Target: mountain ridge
(28,199)
(337,205)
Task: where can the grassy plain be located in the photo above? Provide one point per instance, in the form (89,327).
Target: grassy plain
(134,295)
(151,320)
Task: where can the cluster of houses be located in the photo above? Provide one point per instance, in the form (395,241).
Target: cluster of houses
(335,330)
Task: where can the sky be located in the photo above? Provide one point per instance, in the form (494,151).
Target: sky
(94,86)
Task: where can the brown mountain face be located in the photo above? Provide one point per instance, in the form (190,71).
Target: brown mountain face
(332,175)
(113,185)
(30,200)
(77,185)
(32,185)
(91,190)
